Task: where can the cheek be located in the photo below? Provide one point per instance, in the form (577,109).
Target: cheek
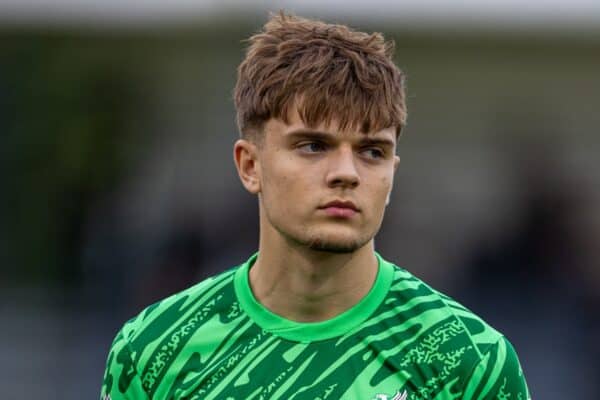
(288,175)
(284,188)
(388,181)
(379,192)
(384,186)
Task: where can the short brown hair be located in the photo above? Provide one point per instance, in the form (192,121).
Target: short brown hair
(327,71)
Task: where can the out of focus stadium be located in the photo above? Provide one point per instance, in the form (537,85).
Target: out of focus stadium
(118,186)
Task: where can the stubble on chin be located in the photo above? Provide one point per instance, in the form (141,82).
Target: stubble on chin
(337,247)
(316,240)
(320,243)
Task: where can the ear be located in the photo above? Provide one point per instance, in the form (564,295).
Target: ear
(245,156)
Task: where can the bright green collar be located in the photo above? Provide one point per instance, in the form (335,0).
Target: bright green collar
(312,331)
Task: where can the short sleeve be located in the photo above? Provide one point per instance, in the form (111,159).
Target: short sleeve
(498,375)
(121,379)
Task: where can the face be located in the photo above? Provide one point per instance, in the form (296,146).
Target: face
(320,187)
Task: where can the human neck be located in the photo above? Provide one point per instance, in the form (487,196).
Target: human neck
(306,285)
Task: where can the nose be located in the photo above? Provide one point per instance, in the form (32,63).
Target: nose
(342,169)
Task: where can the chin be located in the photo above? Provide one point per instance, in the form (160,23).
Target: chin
(334,247)
(336,242)
(331,239)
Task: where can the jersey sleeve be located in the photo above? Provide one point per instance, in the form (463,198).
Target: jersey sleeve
(497,376)
(121,379)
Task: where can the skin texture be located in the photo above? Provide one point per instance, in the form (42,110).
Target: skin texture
(313,263)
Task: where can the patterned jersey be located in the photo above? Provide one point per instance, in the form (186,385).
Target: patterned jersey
(402,341)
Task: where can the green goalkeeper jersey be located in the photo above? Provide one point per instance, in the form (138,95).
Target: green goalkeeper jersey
(402,341)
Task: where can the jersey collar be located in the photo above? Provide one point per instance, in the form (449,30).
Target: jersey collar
(312,331)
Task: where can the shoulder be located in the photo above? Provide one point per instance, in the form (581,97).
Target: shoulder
(178,311)
(432,307)
(166,313)
(454,340)
(156,332)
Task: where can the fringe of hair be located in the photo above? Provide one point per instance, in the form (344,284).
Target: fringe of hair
(329,72)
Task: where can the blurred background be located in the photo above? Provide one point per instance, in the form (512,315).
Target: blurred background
(118,186)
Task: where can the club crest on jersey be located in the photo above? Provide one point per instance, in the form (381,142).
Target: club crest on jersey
(398,396)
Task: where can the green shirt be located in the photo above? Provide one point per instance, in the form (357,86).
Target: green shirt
(402,341)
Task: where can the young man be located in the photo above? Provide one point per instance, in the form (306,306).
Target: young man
(316,313)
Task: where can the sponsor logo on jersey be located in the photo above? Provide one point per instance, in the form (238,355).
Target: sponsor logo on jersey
(398,396)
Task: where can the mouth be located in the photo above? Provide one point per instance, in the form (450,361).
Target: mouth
(340,209)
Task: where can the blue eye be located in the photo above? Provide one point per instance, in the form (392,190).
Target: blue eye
(312,147)
(374,152)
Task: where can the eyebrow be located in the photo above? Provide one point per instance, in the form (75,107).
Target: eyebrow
(325,136)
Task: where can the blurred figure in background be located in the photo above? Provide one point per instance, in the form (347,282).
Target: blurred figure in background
(535,279)
(178,263)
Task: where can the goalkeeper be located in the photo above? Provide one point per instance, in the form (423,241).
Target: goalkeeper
(316,313)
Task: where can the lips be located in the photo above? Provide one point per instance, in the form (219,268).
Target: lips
(341,204)
(340,209)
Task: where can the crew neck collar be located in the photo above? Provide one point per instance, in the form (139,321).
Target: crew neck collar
(312,331)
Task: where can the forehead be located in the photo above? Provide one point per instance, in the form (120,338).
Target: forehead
(278,128)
